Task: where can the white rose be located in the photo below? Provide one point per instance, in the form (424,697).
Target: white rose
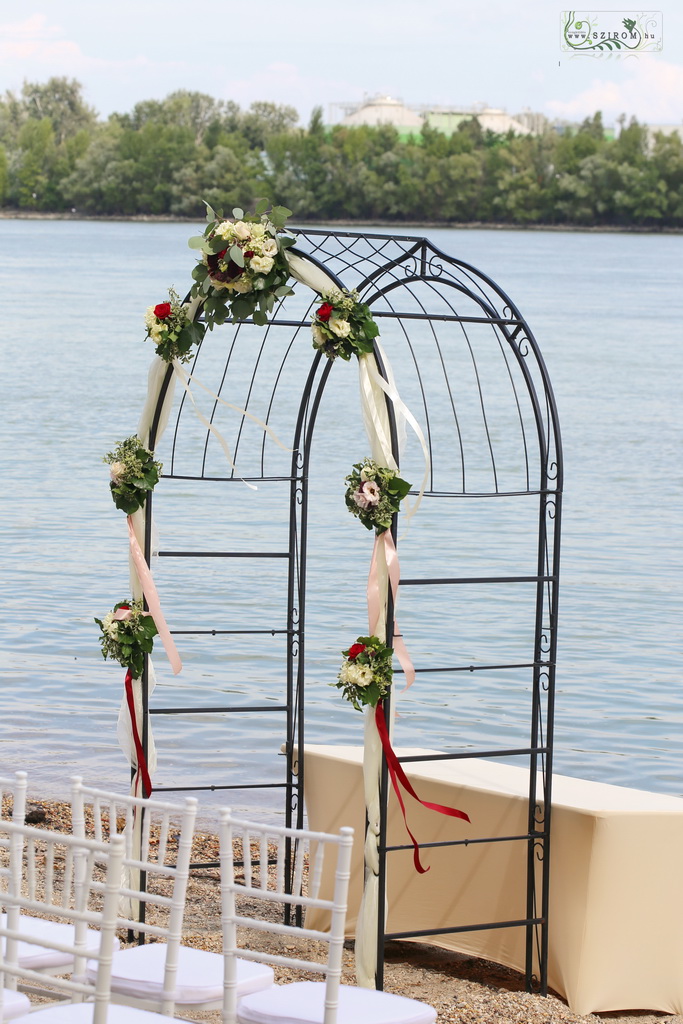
(269,247)
(261,264)
(241,230)
(342,328)
(319,338)
(117,471)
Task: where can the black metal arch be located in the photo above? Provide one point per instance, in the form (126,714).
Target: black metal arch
(469,369)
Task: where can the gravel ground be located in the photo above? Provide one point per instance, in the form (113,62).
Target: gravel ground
(461,988)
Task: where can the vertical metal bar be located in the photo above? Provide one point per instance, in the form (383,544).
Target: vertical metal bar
(384,771)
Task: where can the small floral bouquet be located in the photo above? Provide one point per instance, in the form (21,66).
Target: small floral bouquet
(343,325)
(366,673)
(127,635)
(244,266)
(133,472)
(374,494)
(171,330)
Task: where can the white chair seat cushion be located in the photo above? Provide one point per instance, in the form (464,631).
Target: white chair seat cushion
(14,1004)
(39,958)
(81,1013)
(138,972)
(303,1002)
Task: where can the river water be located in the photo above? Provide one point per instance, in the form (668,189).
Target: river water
(606,310)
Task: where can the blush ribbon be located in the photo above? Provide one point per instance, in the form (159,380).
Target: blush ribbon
(375,602)
(399,778)
(152,597)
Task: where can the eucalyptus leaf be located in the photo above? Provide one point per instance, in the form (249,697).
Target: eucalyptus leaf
(260,318)
(196,242)
(261,207)
(236,255)
(237,213)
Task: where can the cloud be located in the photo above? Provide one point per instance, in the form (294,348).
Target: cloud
(650,89)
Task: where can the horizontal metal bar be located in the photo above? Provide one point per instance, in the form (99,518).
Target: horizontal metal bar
(223,554)
(447,317)
(233,632)
(528,837)
(201,789)
(488,494)
(477,668)
(475,579)
(466,928)
(513,752)
(232,479)
(221,710)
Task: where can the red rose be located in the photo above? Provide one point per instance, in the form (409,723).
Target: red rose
(248,254)
(162,310)
(325,311)
(355,650)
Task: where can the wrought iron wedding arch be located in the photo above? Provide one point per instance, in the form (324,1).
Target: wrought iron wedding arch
(480,562)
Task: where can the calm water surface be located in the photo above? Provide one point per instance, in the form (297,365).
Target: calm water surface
(606,311)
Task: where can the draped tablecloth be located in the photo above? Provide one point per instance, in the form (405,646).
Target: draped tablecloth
(616,879)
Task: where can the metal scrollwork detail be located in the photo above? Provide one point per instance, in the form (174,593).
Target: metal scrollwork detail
(550,507)
(435,267)
(544,680)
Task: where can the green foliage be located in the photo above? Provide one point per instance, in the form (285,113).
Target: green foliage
(166,156)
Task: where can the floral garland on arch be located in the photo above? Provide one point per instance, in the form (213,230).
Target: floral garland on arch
(243,268)
(128,633)
(366,673)
(171,328)
(374,494)
(343,326)
(133,472)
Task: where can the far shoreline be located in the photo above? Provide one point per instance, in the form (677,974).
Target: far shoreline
(151,218)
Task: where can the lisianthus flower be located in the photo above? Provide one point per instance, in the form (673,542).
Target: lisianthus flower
(368,495)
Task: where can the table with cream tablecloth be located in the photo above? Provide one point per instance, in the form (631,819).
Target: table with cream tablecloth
(616,880)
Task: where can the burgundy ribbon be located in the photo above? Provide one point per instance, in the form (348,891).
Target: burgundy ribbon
(139,751)
(399,778)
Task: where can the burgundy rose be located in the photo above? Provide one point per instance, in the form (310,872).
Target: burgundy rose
(162,310)
(248,254)
(355,650)
(231,272)
(325,311)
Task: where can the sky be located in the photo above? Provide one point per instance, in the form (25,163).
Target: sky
(307,54)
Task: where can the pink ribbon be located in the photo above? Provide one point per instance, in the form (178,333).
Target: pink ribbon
(152,597)
(375,600)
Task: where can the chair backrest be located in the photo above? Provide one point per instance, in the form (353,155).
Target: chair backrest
(156,864)
(16,786)
(34,882)
(253,858)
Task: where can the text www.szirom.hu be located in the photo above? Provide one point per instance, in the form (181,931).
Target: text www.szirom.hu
(609,35)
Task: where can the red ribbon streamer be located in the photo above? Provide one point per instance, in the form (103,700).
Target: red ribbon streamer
(399,778)
(139,752)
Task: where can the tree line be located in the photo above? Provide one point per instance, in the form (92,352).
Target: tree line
(166,156)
